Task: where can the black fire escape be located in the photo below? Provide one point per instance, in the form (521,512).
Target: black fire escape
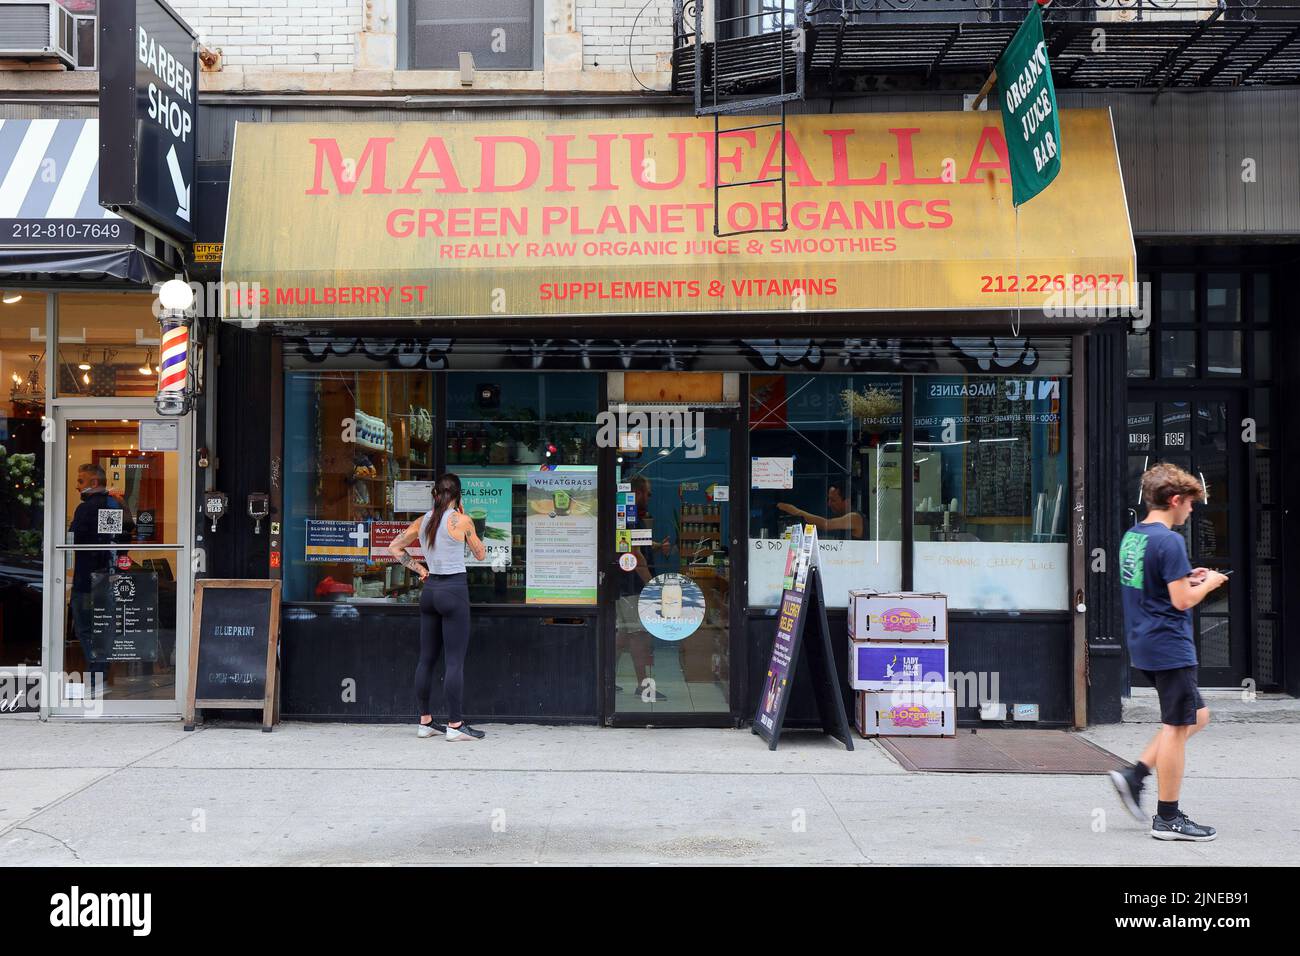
(746,57)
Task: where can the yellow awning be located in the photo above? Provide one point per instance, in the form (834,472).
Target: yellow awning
(606,217)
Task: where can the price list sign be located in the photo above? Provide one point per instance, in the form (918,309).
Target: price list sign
(124,624)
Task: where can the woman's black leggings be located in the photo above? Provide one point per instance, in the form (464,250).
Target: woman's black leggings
(444,623)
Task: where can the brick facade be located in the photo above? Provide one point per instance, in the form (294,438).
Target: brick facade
(587,45)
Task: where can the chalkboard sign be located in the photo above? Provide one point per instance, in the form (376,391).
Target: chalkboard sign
(798,609)
(233,650)
(124,616)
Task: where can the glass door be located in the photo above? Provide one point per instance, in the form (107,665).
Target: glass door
(673,562)
(1200,432)
(121,573)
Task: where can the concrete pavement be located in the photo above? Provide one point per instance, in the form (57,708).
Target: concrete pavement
(148,793)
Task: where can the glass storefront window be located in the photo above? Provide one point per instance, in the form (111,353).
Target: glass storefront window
(840,437)
(991,528)
(1223,354)
(502,428)
(108,345)
(1178,298)
(1139,355)
(359,454)
(359,464)
(1178,354)
(1223,297)
(22,476)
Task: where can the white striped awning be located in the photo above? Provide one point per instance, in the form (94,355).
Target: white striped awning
(51,169)
(51,222)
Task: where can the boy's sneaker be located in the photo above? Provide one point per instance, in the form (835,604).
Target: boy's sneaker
(464,732)
(1181,828)
(1129,788)
(433,729)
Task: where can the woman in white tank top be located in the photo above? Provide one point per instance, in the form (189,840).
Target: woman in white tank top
(444,531)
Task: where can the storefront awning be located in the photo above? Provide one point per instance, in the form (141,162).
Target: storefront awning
(887,212)
(51,223)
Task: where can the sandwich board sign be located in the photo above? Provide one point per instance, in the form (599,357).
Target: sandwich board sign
(234,648)
(802,633)
(148,114)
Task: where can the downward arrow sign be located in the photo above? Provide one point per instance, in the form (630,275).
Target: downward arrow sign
(178,184)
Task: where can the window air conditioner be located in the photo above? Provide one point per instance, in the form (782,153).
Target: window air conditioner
(37,31)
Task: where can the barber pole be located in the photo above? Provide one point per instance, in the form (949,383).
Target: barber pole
(174,396)
(175,358)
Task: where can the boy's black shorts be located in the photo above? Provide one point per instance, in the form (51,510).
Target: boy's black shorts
(1180,698)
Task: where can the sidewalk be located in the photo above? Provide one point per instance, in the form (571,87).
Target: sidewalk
(148,793)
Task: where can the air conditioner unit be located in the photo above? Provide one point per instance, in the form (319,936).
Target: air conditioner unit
(37,31)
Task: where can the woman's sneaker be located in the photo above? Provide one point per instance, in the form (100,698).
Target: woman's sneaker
(433,729)
(1181,828)
(464,732)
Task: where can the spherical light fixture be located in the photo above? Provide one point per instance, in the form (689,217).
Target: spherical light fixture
(176,295)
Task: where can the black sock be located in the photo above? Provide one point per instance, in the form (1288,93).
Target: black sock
(1141,771)
(1167,809)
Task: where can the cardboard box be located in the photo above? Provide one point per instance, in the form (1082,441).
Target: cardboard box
(898,616)
(877,665)
(914,713)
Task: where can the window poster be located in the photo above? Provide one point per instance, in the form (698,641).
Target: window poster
(561,535)
(488,501)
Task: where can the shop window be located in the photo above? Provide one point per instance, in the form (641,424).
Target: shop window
(1139,354)
(827,450)
(1223,297)
(108,345)
(502,429)
(1222,354)
(22,476)
(500,34)
(1178,298)
(1178,354)
(990,530)
(359,463)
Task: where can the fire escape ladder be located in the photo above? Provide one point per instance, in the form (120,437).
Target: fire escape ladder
(730,82)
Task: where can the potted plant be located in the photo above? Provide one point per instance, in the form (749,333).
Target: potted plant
(871,409)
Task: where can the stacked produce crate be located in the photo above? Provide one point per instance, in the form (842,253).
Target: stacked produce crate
(898,664)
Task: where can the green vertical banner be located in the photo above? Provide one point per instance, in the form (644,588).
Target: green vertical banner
(1029,118)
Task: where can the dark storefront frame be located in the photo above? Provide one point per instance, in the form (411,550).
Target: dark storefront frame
(1039,651)
(1253,396)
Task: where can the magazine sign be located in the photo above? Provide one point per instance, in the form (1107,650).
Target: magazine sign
(148,110)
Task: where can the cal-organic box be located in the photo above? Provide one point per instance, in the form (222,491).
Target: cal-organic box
(898,616)
(906,713)
(876,665)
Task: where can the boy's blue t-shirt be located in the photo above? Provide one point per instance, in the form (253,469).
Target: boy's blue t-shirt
(1159,635)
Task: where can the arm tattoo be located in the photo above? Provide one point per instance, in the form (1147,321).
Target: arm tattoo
(408,562)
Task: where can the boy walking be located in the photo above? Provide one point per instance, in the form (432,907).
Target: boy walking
(1160,588)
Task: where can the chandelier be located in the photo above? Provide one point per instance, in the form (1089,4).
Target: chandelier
(28,388)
